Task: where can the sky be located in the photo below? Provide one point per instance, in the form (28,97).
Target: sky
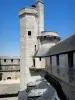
(59,17)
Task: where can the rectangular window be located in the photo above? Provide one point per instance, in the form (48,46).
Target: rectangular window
(35,47)
(57,60)
(29,33)
(70,59)
(33,62)
(4,60)
(11,60)
(40,58)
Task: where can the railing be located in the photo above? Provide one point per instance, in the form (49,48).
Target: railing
(65,73)
(71,74)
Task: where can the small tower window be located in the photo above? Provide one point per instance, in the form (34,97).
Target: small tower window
(4,60)
(11,60)
(35,47)
(34,62)
(40,59)
(29,33)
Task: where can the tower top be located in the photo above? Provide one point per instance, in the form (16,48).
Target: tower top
(39,1)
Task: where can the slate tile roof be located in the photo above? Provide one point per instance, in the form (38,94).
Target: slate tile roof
(61,47)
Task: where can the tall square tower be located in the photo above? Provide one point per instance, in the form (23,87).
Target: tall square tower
(31,25)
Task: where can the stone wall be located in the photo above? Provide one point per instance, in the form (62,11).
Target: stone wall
(9,68)
(10,75)
(28,41)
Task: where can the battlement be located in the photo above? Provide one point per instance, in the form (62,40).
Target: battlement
(28,10)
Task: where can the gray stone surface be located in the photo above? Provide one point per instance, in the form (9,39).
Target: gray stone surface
(35,93)
(22,95)
(35,83)
(9,67)
(10,98)
(9,88)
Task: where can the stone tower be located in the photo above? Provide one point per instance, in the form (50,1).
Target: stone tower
(31,25)
(40,13)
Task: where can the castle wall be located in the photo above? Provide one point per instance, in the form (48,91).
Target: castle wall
(45,43)
(10,61)
(40,63)
(11,75)
(9,67)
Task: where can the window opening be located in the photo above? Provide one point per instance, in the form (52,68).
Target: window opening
(35,47)
(33,62)
(11,60)
(4,60)
(29,33)
(40,58)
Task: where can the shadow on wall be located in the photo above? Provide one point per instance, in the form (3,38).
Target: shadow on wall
(0,70)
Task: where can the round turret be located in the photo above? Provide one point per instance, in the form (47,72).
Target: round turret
(49,35)
(48,38)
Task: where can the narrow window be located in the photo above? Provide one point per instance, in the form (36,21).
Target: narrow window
(70,59)
(4,60)
(29,33)
(57,60)
(35,47)
(40,58)
(33,62)
(11,60)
